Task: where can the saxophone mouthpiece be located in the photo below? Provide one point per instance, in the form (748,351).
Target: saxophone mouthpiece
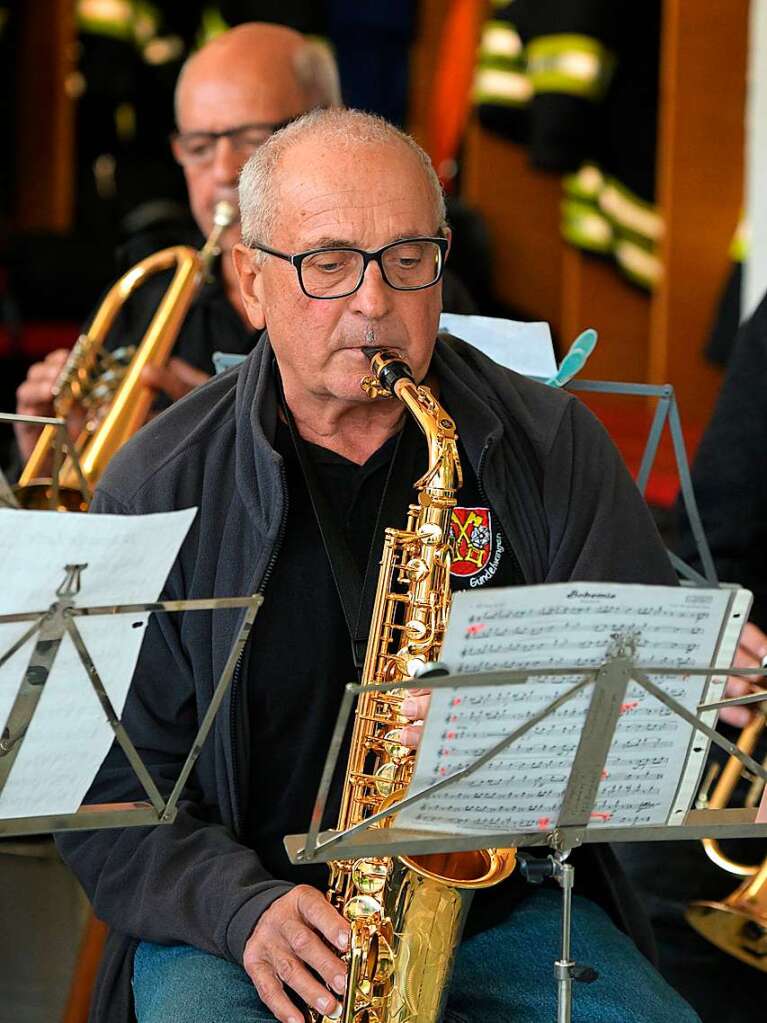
(388,367)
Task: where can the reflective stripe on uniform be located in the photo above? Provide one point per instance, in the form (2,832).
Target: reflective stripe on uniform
(740,243)
(585,227)
(499,39)
(631,214)
(503,88)
(586,183)
(112,18)
(640,265)
(572,64)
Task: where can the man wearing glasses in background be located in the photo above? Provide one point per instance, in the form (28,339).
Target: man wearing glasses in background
(230,96)
(344,244)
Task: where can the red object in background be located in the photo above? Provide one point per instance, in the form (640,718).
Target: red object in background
(453,76)
(36,340)
(628,422)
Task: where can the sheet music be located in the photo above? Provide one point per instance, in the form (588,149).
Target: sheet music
(564,625)
(524,347)
(128,558)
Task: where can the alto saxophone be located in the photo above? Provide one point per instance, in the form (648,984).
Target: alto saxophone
(406,913)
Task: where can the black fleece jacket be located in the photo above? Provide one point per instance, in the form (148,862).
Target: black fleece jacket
(729,473)
(564,500)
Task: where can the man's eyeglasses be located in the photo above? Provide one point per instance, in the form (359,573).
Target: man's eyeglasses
(407,265)
(198,147)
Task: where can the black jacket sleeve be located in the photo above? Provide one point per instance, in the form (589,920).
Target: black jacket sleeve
(187,882)
(729,474)
(599,525)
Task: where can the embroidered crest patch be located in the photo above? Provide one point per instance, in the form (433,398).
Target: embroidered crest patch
(473,538)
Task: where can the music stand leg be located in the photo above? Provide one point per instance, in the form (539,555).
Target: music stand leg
(536,870)
(563,967)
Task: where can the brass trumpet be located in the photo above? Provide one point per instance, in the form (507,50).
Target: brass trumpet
(737,924)
(108,385)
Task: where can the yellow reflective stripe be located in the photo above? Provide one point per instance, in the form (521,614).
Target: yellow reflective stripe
(212,24)
(499,39)
(163,49)
(146,22)
(106,17)
(586,183)
(573,64)
(585,227)
(505,88)
(641,266)
(629,212)
(741,243)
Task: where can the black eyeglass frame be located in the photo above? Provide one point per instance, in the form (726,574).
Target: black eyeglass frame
(214,136)
(297,259)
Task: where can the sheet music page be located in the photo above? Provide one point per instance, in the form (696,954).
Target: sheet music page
(558,626)
(524,347)
(128,559)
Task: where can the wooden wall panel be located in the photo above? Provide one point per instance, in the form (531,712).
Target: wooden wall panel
(700,175)
(45,132)
(594,295)
(521,208)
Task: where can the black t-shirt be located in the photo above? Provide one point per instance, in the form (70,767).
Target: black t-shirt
(300,654)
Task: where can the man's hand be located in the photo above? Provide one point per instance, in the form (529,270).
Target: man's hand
(34,397)
(750,654)
(176,379)
(415,706)
(294,933)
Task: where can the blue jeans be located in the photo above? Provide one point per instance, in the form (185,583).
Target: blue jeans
(504,975)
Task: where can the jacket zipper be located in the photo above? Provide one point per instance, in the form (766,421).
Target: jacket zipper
(233,731)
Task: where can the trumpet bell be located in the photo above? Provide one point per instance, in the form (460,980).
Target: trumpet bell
(734,926)
(38,495)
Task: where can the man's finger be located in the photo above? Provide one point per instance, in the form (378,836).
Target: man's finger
(738,717)
(189,374)
(753,643)
(317,912)
(176,379)
(410,735)
(415,707)
(272,994)
(311,949)
(292,971)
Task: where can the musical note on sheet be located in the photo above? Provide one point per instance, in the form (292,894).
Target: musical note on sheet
(559,626)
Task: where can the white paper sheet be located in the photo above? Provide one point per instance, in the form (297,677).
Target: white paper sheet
(564,625)
(524,347)
(128,560)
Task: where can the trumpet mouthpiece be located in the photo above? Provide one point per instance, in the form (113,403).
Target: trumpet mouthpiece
(223,214)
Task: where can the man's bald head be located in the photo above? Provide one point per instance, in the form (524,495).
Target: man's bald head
(231,94)
(277,65)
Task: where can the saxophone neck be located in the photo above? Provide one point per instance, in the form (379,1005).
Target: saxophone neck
(392,377)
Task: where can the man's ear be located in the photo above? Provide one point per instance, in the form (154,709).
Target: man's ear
(249,274)
(449,236)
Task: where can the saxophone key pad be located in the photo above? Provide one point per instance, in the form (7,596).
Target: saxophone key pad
(369,875)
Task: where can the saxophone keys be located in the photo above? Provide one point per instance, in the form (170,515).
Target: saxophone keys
(392,742)
(416,569)
(369,875)
(362,908)
(430,533)
(386,779)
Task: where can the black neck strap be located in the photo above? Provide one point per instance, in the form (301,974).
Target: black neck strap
(356,593)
